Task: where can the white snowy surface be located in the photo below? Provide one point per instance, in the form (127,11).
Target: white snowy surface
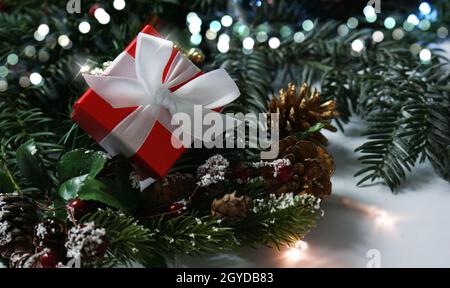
(412,231)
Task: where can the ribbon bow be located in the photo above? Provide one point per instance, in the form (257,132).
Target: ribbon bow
(159,82)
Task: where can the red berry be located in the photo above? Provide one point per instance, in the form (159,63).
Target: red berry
(285,173)
(176,207)
(78,208)
(49,260)
(92,9)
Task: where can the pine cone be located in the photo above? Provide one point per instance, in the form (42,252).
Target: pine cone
(87,242)
(168,190)
(25,260)
(51,233)
(299,110)
(231,208)
(311,169)
(18,216)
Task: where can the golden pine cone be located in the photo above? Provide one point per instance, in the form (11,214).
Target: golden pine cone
(167,190)
(311,169)
(301,109)
(231,208)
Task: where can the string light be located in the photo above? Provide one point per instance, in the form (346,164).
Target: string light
(84,27)
(248,43)
(308,25)
(408,26)
(196,39)
(425,24)
(357,45)
(102,16)
(223,45)
(38,36)
(389,23)
(442,32)
(343,30)
(119,4)
(274,43)
(12,59)
(210,35)
(297,251)
(261,36)
(215,26)
(30,51)
(43,56)
(64,40)
(299,37)
(415,49)
(425,8)
(378,36)
(36,78)
(352,22)
(425,55)
(3,72)
(398,34)
(226,21)
(413,19)
(24,82)
(43,29)
(285,31)
(3,85)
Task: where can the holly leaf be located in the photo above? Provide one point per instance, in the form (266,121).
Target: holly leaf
(6,186)
(93,189)
(80,162)
(30,166)
(70,188)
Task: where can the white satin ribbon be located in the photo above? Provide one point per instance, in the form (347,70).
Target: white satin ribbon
(139,83)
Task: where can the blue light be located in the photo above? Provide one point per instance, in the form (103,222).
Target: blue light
(425,8)
(215,26)
(258,3)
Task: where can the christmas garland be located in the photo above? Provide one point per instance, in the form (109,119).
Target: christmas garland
(87,209)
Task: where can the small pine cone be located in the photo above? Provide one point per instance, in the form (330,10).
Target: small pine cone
(87,242)
(18,216)
(231,208)
(50,233)
(25,260)
(165,191)
(311,169)
(301,109)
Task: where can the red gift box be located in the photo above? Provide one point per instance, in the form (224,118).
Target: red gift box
(97,117)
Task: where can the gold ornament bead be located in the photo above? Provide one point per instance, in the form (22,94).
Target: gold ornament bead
(196,56)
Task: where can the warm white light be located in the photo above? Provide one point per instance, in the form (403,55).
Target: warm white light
(223,46)
(357,45)
(226,21)
(425,8)
(413,19)
(102,16)
(296,252)
(35,78)
(384,220)
(84,27)
(274,43)
(63,40)
(210,35)
(24,82)
(378,36)
(248,43)
(119,4)
(43,29)
(425,55)
(398,34)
